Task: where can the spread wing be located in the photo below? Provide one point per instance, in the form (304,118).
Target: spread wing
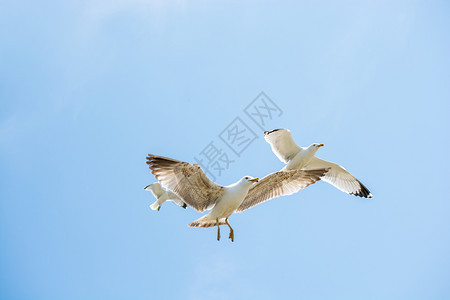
(281,183)
(282,144)
(156,189)
(187,181)
(339,177)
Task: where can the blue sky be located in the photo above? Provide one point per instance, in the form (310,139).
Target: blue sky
(88,88)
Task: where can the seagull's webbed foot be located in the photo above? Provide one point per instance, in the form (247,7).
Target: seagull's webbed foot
(159,207)
(218,230)
(231,236)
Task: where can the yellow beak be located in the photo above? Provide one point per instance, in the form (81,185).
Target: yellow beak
(254,179)
(321,145)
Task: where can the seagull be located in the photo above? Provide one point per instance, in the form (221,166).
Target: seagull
(162,196)
(299,158)
(190,183)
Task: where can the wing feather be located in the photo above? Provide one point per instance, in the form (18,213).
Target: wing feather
(339,177)
(282,144)
(187,181)
(278,184)
(175,199)
(156,189)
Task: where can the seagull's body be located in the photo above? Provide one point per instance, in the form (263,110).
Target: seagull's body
(162,196)
(302,158)
(190,183)
(232,198)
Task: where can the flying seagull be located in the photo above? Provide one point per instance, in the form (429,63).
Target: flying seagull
(299,158)
(162,196)
(190,183)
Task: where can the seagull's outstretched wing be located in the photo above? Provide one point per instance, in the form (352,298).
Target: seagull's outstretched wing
(282,144)
(339,177)
(187,181)
(156,189)
(278,184)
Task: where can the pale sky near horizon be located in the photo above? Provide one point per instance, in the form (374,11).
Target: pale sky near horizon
(88,88)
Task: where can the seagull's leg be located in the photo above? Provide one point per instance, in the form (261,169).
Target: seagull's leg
(218,230)
(159,207)
(231,230)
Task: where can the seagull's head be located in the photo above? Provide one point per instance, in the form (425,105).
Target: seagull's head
(314,147)
(249,180)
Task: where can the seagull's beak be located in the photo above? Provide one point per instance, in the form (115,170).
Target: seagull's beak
(321,145)
(254,179)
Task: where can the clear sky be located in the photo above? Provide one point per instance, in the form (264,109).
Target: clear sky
(88,88)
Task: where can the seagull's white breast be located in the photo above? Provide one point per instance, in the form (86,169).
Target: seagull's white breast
(233,197)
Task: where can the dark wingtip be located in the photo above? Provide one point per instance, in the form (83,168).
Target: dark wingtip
(363,192)
(271,131)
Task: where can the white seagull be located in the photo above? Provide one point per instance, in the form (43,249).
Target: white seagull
(299,158)
(162,196)
(190,183)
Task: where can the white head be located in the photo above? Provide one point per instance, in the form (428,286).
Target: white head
(314,147)
(248,180)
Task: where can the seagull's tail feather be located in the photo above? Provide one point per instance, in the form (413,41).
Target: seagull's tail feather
(206,221)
